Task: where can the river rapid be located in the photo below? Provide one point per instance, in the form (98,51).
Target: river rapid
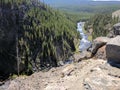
(84,42)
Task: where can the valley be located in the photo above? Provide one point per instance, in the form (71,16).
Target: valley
(59,45)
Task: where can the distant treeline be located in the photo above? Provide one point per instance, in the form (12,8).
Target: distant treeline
(85,12)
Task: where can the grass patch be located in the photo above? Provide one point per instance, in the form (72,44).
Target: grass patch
(90,38)
(77,43)
(14,76)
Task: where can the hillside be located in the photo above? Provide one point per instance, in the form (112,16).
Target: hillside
(116,14)
(33,37)
(58,3)
(38,46)
(100,24)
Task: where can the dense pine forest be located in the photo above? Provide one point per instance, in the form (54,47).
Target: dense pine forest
(33,37)
(101,24)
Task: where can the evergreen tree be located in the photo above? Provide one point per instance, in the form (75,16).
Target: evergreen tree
(40,36)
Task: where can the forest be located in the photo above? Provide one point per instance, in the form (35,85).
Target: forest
(101,24)
(85,10)
(97,15)
(33,37)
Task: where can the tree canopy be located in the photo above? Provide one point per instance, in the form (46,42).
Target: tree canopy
(35,34)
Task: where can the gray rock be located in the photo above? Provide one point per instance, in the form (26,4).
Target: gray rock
(97,43)
(116,29)
(110,34)
(103,77)
(82,56)
(101,53)
(113,50)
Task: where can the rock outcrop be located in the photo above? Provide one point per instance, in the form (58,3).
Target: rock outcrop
(101,53)
(98,43)
(113,50)
(99,48)
(103,78)
(96,50)
(82,56)
(92,74)
(116,29)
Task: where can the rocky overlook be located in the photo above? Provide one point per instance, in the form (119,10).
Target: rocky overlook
(88,74)
(39,44)
(91,74)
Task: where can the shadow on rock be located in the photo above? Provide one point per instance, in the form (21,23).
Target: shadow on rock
(114,64)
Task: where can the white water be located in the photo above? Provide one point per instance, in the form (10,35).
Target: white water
(84,43)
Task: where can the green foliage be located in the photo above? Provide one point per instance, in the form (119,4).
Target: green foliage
(81,16)
(84,12)
(101,24)
(45,36)
(102,8)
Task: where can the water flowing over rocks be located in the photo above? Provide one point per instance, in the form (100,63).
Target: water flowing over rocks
(84,43)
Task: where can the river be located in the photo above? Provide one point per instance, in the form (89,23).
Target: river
(84,42)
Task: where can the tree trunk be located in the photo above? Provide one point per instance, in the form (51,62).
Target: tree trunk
(17,54)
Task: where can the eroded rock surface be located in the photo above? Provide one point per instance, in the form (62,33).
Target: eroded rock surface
(87,75)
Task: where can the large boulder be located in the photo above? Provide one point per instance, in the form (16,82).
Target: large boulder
(101,53)
(98,43)
(113,50)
